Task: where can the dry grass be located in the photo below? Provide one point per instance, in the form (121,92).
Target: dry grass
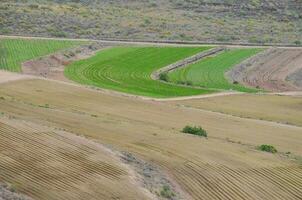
(213,168)
(283,109)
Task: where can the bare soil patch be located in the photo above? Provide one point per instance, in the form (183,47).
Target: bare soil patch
(9,76)
(275,70)
(52,66)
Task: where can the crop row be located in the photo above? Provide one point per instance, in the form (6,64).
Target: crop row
(210,181)
(210,72)
(15,51)
(129,69)
(48,165)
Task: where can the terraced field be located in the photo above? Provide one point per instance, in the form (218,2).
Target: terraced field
(129,69)
(227,165)
(15,51)
(210,72)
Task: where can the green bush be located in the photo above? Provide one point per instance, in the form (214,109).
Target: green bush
(194,130)
(268,148)
(163,77)
(166,192)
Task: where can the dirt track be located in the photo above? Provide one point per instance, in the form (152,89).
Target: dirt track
(270,70)
(163,43)
(9,76)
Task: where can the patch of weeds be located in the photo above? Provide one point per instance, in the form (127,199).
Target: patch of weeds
(93,115)
(267,148)
(2,98)
(235,82)
(163,77)
(44,106)
(166,192)
(194,130)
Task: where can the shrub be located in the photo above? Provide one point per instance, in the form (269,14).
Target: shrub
(235,83)
(166,192)
(163,77)
(194,130)
(298,42)
(268,148)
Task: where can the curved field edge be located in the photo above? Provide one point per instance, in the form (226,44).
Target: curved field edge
(210,72)
(15,51)
(129,69)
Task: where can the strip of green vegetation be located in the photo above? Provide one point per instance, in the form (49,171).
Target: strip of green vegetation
(129,69)
(210,72)
(15,51)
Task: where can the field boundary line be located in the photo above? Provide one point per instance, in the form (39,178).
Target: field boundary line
(158,100)
(187,61)
(261,121)
(160,42)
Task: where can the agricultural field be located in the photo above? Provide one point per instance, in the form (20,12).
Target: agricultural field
(275,69)
(151,100)
(15,51)
(46,115)
(129,69)
(44,163)
(210,72)
(281,109)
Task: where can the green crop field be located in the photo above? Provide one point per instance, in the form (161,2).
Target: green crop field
(210,72)
(129,69)
(15,51)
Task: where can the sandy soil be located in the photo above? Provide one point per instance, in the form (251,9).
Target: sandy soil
(270,70)
(224,166)
(9,76)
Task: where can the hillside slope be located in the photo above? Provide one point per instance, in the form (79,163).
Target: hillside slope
(265,21)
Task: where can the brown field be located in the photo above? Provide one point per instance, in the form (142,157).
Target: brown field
(52,164)
(274,70)
(277,108)
(224,166)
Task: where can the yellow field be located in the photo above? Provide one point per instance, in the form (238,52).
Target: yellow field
(283,109)
(224,166)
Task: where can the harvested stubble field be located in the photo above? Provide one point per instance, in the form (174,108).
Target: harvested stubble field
(210,72)
(129,69)
(224,166)
(15,51)
(51,164)
(277,108)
